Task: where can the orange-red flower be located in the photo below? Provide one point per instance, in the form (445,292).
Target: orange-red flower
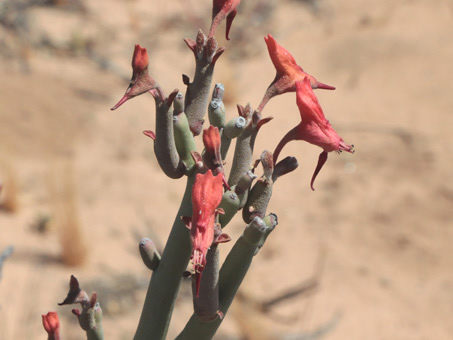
(314,127)
(288,72)
(212,157)
(207,194)
(51,324)
(222,9)
(211,141)
(141,81)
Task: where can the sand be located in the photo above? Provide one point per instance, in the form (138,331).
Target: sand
(81,182)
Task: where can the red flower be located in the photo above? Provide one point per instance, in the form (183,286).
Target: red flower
(51,324)
(288,72)
(207,193)
(141,81)
(222,9)
(211,141)
(212,157)
(314,127)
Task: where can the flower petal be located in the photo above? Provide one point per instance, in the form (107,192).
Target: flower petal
(309,107)
(283,61)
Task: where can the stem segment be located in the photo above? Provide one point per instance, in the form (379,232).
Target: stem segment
(166,279)
(232,273)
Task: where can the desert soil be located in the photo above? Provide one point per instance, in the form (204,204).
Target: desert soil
(81,183)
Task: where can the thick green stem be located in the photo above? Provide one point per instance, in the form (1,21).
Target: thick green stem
(232,273)
(231,130)
(230,205)
(206,305)
(216,108)
(164,144)
(234,198)
(96,333)
(185,143)
(243,155)
(261,192)
(197,95)
(245,143)
(166,279)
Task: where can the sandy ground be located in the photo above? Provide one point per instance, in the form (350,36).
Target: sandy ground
(375,236)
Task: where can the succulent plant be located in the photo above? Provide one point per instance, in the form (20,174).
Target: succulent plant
(210,201)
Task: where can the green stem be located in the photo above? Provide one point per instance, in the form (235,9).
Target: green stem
(97,333)
(166,279)
(164,144)
(232,273)
(206,305)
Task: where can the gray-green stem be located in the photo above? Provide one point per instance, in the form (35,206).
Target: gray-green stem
(207,304)
(197,95)
(245,143)
(260,195)
(166,279)
(185,143)
(231,130)
(216,108)
(232,273)
(234,198)
(97,333)
(164,144)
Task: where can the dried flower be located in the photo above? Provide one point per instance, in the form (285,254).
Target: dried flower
(75,294)
(141,81)
(51,324)
(222,9)
(314,127)
(288,73)
(207,194)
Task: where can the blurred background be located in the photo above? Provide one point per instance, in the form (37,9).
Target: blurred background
(368,255)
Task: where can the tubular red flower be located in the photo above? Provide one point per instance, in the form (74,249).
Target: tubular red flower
(207,194)
(140,61)
(51,324)
(314,127)
(288,72)
(211,141)
(212,159)
(222,9)
(141,81)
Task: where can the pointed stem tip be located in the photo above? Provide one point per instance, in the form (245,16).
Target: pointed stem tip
(121,102)
(325,86)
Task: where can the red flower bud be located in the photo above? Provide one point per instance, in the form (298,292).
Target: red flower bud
(51,324)
(141,81)
(288,72)
(211,141)
(314,127)
(140,61)
(222,9)
(212,157)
